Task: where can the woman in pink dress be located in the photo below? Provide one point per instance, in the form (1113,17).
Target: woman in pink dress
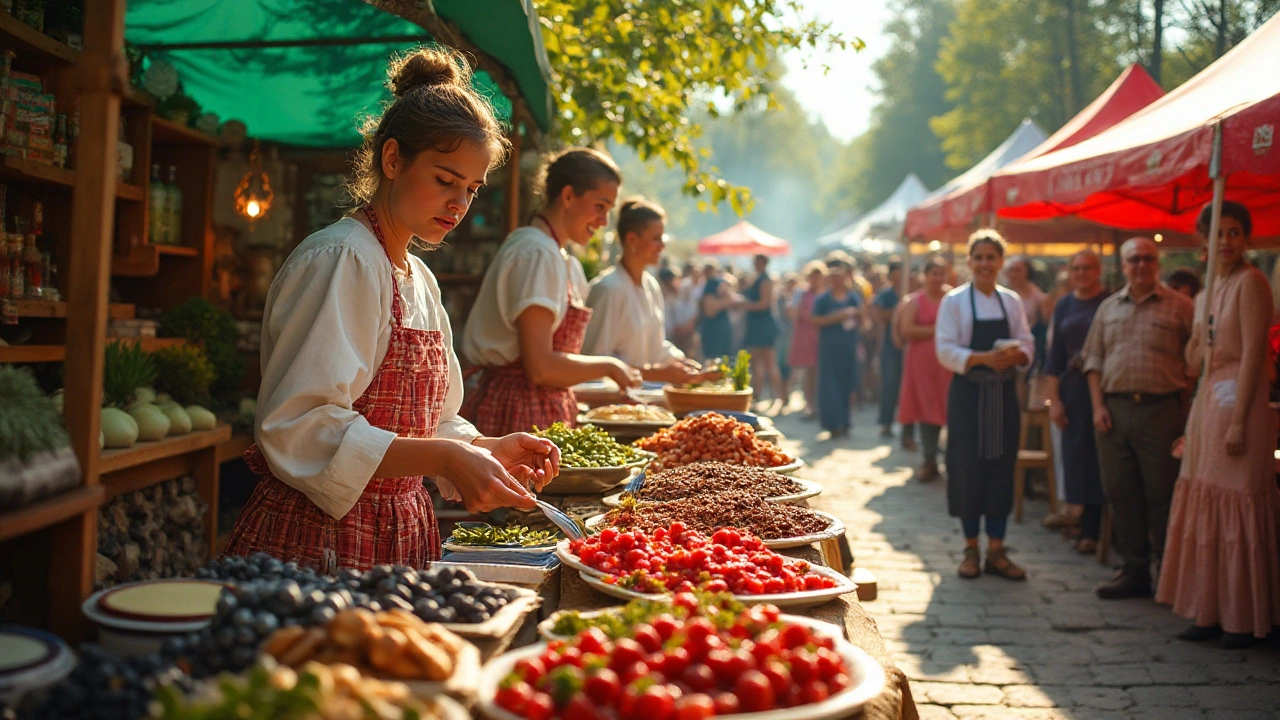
(925,382)
(1221,563)
(803,355)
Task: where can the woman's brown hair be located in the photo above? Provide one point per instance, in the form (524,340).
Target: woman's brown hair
(435,107)
(583,169)
(988,236)
(636,213)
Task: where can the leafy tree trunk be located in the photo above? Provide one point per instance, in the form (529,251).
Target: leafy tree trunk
(1221,46)
(1157,41)
(1076,77)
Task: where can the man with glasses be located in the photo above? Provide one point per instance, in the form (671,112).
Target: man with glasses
(1133,359)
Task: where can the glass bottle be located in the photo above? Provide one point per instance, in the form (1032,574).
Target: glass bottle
(124,154)
(156,226)
(33,264)
(17,279)
(175,207)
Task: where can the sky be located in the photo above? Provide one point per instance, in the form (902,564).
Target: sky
(843,97)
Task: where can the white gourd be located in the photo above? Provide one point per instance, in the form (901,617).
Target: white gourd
(118,429)
(144,395)
(179,420)
(152,423)
(162,399)
(201,419)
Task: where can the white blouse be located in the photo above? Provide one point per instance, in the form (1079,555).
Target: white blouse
(325,332)
(530,270)
(628,321)
(954,329)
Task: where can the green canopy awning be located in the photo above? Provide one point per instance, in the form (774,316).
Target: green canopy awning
(304,71)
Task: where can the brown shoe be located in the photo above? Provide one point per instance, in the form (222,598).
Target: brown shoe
(969,567)
(1086,546)
(1126,584)
(1057,521)
(998,563)
(909,444)
(927,472)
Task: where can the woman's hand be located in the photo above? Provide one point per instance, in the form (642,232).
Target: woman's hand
(622,373)
(1235,438)
(482,481)
(676,372)
(1058,414)
(539,456)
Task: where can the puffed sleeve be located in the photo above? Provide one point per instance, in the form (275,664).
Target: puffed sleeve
(323,340)
(534,276)
(952,354)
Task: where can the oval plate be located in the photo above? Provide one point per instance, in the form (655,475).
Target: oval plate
(835,529)
(809,489)
(866,681)
(546,627)
(806,598)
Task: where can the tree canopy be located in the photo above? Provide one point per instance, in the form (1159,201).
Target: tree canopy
(639,73)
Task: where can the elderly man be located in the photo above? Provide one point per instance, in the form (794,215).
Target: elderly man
(1137,378)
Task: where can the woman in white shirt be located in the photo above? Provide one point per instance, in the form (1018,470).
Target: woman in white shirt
(628,309)
(526,329)
(360,386)
(982,336)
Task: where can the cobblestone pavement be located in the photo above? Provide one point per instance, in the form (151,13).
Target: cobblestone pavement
(1046,648)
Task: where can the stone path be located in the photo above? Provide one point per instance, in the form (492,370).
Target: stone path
(990,648)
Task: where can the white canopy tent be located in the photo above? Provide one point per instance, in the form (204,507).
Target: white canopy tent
(878,230)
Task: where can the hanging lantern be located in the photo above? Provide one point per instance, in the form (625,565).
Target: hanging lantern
(254,194)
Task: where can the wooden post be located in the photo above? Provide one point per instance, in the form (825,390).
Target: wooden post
(513,182)
(98,76)
(204,467)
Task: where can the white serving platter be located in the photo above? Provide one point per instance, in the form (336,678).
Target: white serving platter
(835,529)
(807,598)
(866,681)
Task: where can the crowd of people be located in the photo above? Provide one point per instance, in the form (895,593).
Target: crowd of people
(1183,463)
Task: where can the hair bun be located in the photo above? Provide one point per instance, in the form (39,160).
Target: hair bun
(425,67)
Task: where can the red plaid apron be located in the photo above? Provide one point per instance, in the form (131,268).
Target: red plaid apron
(507,401)
(393,521)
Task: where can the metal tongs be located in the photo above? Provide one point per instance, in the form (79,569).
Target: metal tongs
(561,520)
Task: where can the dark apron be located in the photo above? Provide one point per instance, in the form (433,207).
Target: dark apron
(983,422)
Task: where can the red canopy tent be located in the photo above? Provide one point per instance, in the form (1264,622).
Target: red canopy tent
(1132,91)
(1152,171)
(743,239)
(940,216)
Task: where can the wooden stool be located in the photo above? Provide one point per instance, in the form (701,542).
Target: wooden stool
(1037,417)
(1104,536)
(830,550)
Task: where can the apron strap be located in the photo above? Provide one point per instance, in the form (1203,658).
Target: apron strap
(397,313)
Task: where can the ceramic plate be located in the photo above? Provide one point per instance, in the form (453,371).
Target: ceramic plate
(807,598)
(808,489)
(835,529)
(866,681)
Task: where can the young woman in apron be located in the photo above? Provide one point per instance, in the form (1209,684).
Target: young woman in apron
(982,336)
(360,386)
(525,331)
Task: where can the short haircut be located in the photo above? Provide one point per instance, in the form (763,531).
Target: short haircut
(1184,277)
(988,236)
(635,214)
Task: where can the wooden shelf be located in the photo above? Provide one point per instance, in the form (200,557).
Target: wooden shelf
(137,97)
(45,309)
(127,191)
(168,131)
(33,46)
(113,461)
(144,259)
(10,354)
(32,353)
(234,447)
(14,168)
(50,511)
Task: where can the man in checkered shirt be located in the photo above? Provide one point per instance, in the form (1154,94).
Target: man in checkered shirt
(1138,381)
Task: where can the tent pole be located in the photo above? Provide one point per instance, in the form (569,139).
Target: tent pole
(1204,314)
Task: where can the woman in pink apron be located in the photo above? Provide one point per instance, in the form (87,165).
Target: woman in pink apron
(360,387)
(925,382)
(525,331)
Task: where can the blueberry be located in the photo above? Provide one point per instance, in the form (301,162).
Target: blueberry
(446,615)
(225,638)
(322,615)
(395,601)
